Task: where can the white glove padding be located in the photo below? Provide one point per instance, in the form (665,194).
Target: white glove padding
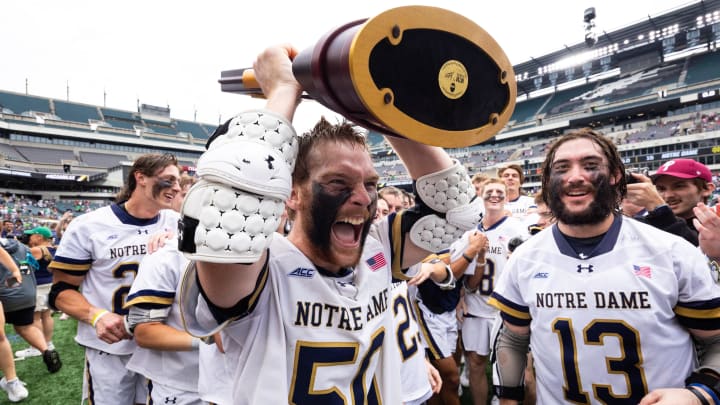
(225,225)
(256,154)
(433,233)
(261,126)
(444,190)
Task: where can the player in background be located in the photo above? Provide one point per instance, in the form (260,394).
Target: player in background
(382,210)
(625,297)
(477,181)
(307,319)
(518,204)
(483,252)
(99,254)
(435,305)
(419,379)
(393,196)
(167,355)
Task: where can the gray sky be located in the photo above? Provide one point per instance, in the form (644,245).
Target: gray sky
(171,52)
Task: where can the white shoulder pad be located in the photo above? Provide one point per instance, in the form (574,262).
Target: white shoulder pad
(225,225)
(446,189)
(256,154)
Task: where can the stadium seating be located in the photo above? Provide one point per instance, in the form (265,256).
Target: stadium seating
(20,103)
(41,155)
(196,130)
(702,68)
(527,110)
(75,112)
(105,160)
(9,152)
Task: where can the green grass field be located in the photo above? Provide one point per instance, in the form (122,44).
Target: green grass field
(61,388)
(65,386)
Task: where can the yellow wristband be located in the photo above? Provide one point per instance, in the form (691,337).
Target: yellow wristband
(97,316)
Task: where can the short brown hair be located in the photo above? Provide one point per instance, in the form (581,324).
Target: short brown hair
(515,167)
(392,190)
(478,178)
(323,132)
(493,180)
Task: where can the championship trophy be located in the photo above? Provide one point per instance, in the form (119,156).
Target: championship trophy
(416,72)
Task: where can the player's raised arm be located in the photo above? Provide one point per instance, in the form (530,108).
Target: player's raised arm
(443,210)
(230,215)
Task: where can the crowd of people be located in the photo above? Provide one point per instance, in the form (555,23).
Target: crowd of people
(283,273)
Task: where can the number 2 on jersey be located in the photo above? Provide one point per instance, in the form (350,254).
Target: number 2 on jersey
(119,295)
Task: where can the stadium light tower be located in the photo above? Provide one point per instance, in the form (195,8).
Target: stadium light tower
(589,22)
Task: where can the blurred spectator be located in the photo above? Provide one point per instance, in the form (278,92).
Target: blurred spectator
(8,229)
(393,196)
(19,301)
(40,243)
(683,183)
(382,210)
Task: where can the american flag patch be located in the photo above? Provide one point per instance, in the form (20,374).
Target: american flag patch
(376,261)
(642,271)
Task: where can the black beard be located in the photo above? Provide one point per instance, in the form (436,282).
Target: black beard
(320,219)
(598,210)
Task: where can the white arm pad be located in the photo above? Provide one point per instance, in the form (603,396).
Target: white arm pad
(433,233)
(256,154)
(225,225)
(446,189)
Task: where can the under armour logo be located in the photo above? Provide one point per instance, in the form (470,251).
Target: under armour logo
(588,267)
(269,161)
(667,165)
(142,231)
(169,400)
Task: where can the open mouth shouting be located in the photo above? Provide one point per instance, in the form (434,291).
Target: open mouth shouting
(348,231)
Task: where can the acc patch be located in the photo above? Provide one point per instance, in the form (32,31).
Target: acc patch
(302,272)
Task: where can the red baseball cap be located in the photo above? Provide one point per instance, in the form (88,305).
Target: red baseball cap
(684,169)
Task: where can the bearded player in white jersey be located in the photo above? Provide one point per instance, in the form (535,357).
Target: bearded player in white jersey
(484,252)
(99,254)
(613,308)
(306,319)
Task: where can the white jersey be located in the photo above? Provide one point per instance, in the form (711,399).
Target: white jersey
(520,206)
(415,383)
(106,246)
(309,336)
(610,325)
(215,380)
(155,287)
(498,234)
